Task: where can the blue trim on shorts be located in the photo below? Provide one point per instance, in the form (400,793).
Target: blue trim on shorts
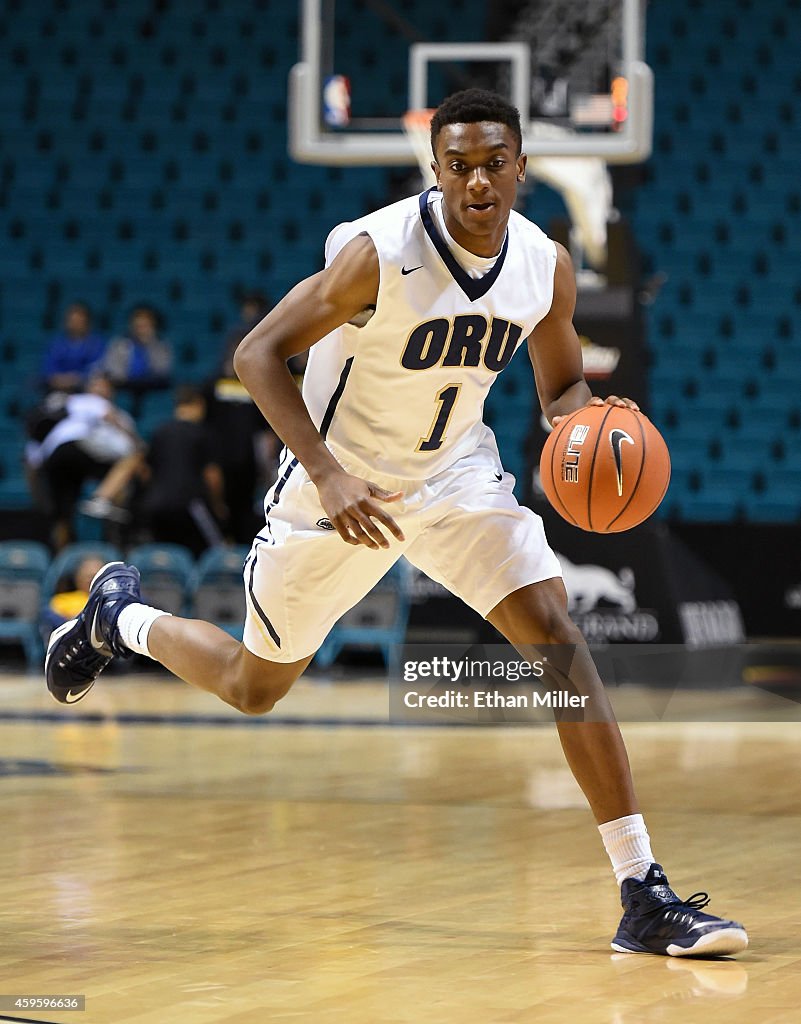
(259,610)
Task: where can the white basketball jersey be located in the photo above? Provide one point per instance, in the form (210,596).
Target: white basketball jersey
(405,393)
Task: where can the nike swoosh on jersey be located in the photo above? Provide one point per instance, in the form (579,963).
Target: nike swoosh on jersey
(616,439)
(411,270)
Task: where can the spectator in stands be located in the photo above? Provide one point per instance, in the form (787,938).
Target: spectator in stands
(93,440)
(247,452)
(184,502)
(254,306)
(74,352)
(248,448)
(253,309)
(140,360)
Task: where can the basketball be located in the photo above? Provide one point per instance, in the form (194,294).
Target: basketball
(605,468)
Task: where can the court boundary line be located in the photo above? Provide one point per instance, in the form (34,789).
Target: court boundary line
(28,1020)
(246,721)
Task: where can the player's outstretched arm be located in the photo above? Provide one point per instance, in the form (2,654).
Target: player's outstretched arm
(309,312)
(555,351)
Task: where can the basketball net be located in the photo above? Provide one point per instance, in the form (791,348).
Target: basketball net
(417,125)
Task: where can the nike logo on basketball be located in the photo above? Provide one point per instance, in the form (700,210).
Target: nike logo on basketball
(616,439)
(411,270)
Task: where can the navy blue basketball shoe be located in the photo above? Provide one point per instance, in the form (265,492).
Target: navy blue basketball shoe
(80,649)
(655,920)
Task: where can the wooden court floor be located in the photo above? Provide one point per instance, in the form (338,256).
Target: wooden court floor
(175,862)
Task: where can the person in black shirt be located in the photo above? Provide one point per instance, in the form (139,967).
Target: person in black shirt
(184,501)
(248,448)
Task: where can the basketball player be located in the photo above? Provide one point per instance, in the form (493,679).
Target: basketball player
(419,307)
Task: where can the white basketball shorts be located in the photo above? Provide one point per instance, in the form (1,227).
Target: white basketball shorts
(464,528)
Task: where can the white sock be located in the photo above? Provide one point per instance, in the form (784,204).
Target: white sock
(628,845)
(134,625)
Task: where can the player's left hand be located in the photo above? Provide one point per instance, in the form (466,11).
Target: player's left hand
(621,403)
(353,506)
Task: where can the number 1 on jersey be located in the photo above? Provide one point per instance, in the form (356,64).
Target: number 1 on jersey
(436,435)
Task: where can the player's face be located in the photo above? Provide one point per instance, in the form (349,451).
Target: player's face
(477,169)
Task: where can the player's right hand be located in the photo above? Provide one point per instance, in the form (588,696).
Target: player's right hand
(352,504)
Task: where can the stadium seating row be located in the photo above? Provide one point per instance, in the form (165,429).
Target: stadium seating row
(210,588)
(719,215)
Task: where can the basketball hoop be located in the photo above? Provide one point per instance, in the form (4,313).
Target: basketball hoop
(417,125)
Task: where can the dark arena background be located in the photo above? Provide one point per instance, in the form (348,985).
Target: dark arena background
(169,169)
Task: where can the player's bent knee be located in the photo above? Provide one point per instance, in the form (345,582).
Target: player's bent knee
(259,697)
(256,702)
(258,685)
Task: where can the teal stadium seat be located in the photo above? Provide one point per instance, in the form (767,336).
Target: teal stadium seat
(378,621)
(23,565)
(166,571)
(217,589)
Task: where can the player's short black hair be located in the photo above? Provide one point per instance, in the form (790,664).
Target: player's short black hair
(472,105)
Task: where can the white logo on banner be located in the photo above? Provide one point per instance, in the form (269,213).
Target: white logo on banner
(603,604)
(588,585)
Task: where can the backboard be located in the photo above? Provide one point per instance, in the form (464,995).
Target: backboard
(574,69)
